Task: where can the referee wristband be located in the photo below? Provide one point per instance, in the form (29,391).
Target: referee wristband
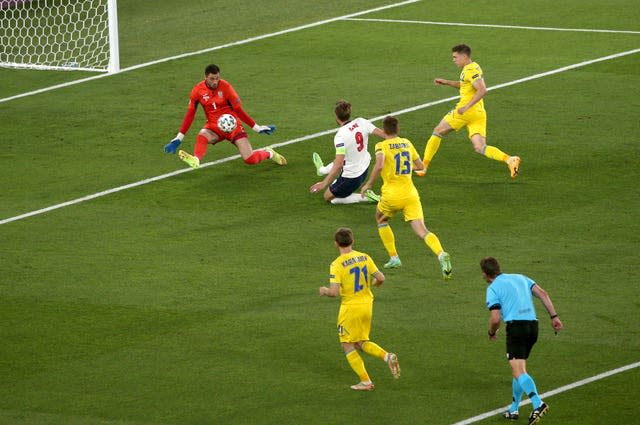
(554,316)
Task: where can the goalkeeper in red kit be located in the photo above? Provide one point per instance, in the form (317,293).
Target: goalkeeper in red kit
(217,97)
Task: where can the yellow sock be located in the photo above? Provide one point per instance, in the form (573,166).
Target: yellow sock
(432,147)
(356,363)
(373,349)
(388,240)
(495,153)
(433,243)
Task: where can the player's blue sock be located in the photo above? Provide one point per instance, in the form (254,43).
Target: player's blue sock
(517,395)
(529,387)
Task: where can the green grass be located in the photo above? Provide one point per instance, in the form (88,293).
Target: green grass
(193,299)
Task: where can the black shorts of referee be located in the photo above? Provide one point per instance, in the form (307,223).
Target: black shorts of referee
(521,336)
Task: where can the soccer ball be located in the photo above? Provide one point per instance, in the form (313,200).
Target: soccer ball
(227,123)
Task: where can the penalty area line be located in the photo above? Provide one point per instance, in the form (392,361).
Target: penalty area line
(559,390)
(210,49)
(518,27)
(308,137)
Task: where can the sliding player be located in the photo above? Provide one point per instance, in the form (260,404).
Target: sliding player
(350,166)
(217,97)
(469,112)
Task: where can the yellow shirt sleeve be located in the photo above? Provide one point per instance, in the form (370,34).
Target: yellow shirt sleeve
(473,72)
(371,266)
(414,155)
(334,274)
(470,74)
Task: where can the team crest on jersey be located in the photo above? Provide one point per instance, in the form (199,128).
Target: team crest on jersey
(220,93)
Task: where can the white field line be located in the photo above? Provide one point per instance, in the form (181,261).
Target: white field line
(310,136)
(552,392)
(449,99)
(520,27)
(210,49)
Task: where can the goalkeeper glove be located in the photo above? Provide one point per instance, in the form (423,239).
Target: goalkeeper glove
(172,146)
(264,129)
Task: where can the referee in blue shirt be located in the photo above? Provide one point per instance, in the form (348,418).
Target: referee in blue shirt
(509,297)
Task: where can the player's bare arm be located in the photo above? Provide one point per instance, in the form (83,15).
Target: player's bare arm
(418,164)
(481,90)
(379,133)
(375,173)
(378,278)
(333,174)
(443,82)
(541,294)
(333,290)
(494,324)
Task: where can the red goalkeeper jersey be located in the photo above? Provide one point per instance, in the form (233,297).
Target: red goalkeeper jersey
(215,102)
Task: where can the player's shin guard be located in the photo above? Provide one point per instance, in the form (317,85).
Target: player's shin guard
(374,349)
(432,241)
(495,153)
(356,363)
(432,147)
(200,150)
(388,239)
(256,157)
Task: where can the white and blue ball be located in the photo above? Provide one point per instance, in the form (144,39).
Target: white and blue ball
(227,123)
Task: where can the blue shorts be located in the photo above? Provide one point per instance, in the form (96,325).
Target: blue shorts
(344,186)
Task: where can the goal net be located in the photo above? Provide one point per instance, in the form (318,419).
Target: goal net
(59,34)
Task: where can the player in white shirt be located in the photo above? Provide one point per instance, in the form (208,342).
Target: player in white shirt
(349,169)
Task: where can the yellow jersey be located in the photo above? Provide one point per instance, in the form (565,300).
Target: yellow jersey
(352,271)
(399,155)
(470,73)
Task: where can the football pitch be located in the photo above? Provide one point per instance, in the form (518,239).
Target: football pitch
(136,291)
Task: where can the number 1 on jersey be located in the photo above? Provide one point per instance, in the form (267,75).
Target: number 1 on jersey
(356,271)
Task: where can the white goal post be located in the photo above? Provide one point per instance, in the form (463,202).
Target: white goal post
(78,35)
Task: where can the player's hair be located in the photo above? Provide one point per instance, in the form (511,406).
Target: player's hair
(212,69)
(462,48)
(344,237)
(390,125)
(343,110)
(490,266)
